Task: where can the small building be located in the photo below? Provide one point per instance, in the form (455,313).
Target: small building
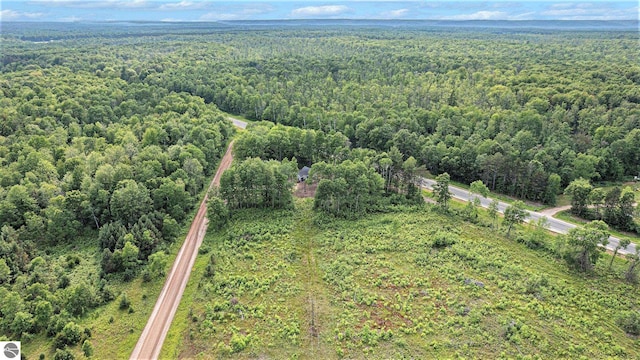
(303,174)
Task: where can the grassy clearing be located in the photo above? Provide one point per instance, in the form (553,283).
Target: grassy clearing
(389,286)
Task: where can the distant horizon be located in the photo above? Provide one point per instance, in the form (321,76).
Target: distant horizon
(65,29)
(310,20)
(261,10)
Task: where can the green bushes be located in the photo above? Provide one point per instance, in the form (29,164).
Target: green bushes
(239,342)
(71,334)
(389,284)
(63,354)
(630,323)
(444,239)
(87,348)
(125,303)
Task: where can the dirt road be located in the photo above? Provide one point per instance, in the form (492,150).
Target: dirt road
(154,333)
(554,210)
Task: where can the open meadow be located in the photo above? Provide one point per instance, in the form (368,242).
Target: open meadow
(410,284)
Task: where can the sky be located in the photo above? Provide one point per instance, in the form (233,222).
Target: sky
(207,10)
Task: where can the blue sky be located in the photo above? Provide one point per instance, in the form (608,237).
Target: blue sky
(206,10)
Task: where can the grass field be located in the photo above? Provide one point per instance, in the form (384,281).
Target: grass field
(411,284)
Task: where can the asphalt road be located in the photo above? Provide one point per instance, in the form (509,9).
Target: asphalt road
(555,225)
(154,333)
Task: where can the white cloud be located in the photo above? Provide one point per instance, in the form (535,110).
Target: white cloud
(213,16)
(395,14)
(8,15)
(589,11)
(101,4)
(257,9)
(320,11)
(244,12)
(172,20)
(70,19)
(481,15)
(561,6)
(523,16)
(134,4)
(184,5)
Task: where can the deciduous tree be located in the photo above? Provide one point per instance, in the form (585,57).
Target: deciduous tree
(514,215)
(582,244)
(622,244)
(441,190)
(579,191)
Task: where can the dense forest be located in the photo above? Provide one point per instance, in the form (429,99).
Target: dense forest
(91,160)
(108,134)
(511,109)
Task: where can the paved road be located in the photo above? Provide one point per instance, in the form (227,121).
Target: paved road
(555,225)
(154,333)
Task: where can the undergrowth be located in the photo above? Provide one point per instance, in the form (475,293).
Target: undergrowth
(415,283)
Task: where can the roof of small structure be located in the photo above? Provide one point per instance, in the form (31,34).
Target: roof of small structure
(304,171)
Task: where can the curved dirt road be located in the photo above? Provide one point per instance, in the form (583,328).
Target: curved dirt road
(154,333)
(554,210)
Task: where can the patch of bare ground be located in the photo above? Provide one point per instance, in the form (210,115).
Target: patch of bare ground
(305,190)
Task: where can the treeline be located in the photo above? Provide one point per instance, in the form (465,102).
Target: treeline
(254,183)
(269,141)
(614,206)
(351,181)
(101,170)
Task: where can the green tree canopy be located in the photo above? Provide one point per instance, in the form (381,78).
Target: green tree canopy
(582,244)
(514,215)
(130,201)
(579,191)
(441,190)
